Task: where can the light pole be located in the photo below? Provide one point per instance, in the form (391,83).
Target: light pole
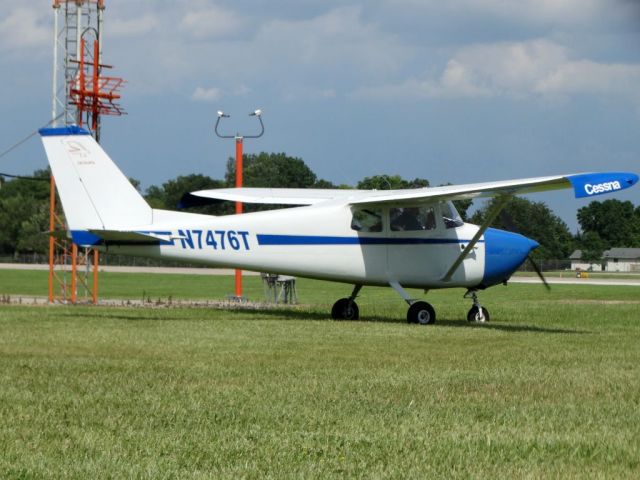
(239,142)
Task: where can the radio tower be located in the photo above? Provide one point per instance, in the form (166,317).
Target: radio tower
(81,95)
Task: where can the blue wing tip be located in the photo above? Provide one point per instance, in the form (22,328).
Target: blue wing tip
(592,184)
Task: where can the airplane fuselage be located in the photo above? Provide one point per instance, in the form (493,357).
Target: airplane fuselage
(319,242)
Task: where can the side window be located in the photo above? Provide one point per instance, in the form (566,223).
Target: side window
(450,216)
(412,218)
(367,220)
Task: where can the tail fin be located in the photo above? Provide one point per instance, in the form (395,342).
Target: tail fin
(95,194)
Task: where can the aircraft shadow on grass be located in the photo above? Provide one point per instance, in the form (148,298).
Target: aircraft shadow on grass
(287,314)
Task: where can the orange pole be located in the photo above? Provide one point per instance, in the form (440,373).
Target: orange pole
(81,82)
(96,88)
(238,206)
(95,276)
(52,240)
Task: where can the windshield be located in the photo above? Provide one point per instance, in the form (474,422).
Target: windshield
(450,215)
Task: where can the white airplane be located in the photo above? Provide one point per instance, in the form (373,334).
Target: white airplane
(399,238)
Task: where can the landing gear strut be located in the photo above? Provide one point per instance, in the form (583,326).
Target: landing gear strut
(419,311)
(347,308)
(477,313)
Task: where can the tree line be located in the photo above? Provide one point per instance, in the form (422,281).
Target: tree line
(24,208)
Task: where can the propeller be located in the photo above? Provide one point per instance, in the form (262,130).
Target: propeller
(539,272)
(507,220)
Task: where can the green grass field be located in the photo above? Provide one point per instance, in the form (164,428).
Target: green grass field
(550,388)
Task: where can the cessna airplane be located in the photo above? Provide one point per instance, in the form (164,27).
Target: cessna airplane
(398,238)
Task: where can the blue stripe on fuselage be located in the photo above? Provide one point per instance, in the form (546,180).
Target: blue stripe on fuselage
(268,239)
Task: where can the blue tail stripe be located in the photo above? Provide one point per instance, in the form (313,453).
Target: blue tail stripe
(63,131)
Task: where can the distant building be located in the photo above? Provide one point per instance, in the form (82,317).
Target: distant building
(613,260)
(622,259)
(577,263)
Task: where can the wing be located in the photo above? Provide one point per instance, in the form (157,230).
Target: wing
(275,196)
(584,185)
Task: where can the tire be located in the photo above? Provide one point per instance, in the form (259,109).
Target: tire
(422,313)
(344,309)
(474,315)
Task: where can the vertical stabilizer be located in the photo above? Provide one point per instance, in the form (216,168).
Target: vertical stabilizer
(95,194)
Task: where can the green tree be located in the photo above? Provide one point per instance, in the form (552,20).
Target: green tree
(168,196)
(390,182)
(616,222)
(275,170)
(591,246)
(24,206)
(320,183)
(534,220)
(33,236)
(136,184)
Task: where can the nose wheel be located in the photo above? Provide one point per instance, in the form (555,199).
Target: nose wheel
(477,313)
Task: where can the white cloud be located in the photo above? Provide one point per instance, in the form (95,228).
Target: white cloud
(336,39)
(557,12)
(213,94)
(310,94)
(211,22)
(25,28)
(132,27)
(586,76)
(516,70)
(210,94)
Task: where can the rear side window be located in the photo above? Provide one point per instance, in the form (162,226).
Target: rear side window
(367,220)
(412,218)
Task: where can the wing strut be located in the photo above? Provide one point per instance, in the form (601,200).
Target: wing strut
(502,201)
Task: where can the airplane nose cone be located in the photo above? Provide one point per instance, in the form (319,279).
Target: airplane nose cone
(504,253)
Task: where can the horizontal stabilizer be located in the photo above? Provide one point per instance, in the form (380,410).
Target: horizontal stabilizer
(115,237)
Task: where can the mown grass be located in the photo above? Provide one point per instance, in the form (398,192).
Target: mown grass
(549,389)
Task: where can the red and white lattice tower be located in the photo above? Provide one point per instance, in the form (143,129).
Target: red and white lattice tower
(80,96)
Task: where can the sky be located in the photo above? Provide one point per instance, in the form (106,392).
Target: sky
(459,91)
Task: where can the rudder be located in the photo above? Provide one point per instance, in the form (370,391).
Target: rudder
(95,194)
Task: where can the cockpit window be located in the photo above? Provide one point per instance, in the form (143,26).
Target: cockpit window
(450,215)
(412,218)
(367,220)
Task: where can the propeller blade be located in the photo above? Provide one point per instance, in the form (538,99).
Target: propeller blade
(539,272)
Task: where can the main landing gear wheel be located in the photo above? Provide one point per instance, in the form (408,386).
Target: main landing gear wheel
(345,309)
(422,313)
(475,314)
